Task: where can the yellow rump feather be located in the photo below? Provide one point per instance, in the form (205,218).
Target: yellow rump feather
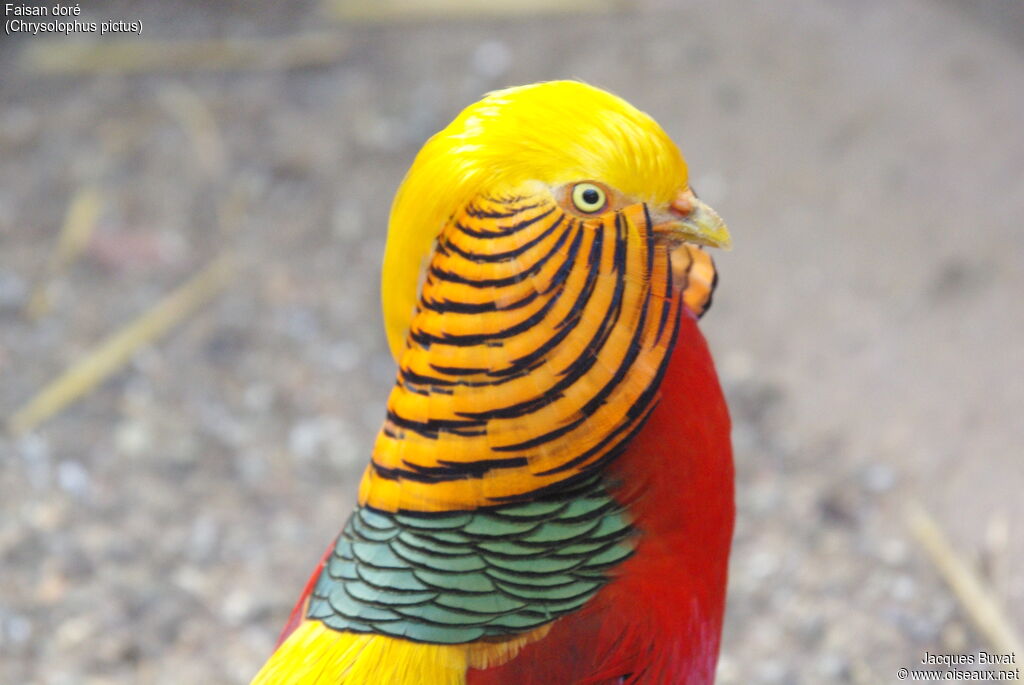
(317,655)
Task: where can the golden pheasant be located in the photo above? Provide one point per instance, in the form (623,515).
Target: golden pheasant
(550,498)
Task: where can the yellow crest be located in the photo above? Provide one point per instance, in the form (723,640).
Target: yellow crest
(551,133)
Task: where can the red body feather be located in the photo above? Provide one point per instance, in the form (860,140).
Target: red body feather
(660,619)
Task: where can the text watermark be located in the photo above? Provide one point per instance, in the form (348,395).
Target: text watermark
(62,19)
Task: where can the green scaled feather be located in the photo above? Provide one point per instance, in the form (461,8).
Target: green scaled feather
(460,577)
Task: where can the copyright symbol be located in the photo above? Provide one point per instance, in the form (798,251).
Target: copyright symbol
(902,674)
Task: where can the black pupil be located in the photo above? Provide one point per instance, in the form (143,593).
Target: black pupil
(591,196)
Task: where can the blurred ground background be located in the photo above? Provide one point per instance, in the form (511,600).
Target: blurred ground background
(867,156)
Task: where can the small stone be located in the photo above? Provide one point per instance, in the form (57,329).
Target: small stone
(73,478)
(237,607)
(736,366)
(344,452)
(893,551)
(305,438)
(48,515)
(878,478)
(191,580)
(74,631)
(17,629)
(726,671)
(252,467)
(903,588)
(259,397)
(762,565)
(133,438)
(763,497)
(833,667)
(51,589)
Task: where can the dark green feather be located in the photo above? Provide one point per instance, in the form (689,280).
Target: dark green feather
(459,577)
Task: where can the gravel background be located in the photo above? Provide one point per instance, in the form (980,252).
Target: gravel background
(867,156)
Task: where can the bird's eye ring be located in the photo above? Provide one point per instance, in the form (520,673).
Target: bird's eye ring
(589,198)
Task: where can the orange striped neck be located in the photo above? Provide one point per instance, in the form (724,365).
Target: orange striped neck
(535,353)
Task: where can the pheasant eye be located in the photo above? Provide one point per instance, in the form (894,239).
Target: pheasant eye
(589,198)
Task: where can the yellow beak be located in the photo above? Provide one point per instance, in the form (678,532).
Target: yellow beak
(689,220)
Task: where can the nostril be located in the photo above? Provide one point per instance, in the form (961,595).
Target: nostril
(684,202)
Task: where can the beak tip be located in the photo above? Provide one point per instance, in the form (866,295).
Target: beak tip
(698,225)
(725,241)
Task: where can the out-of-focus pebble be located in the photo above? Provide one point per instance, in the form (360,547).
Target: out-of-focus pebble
(133,438)
(879,478)
(73,478)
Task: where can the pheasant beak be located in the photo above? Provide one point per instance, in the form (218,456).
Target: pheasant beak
(689,220)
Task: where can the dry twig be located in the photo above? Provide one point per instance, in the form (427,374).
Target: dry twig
(970,590)
(79,223)
(198,122)
(116,350)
